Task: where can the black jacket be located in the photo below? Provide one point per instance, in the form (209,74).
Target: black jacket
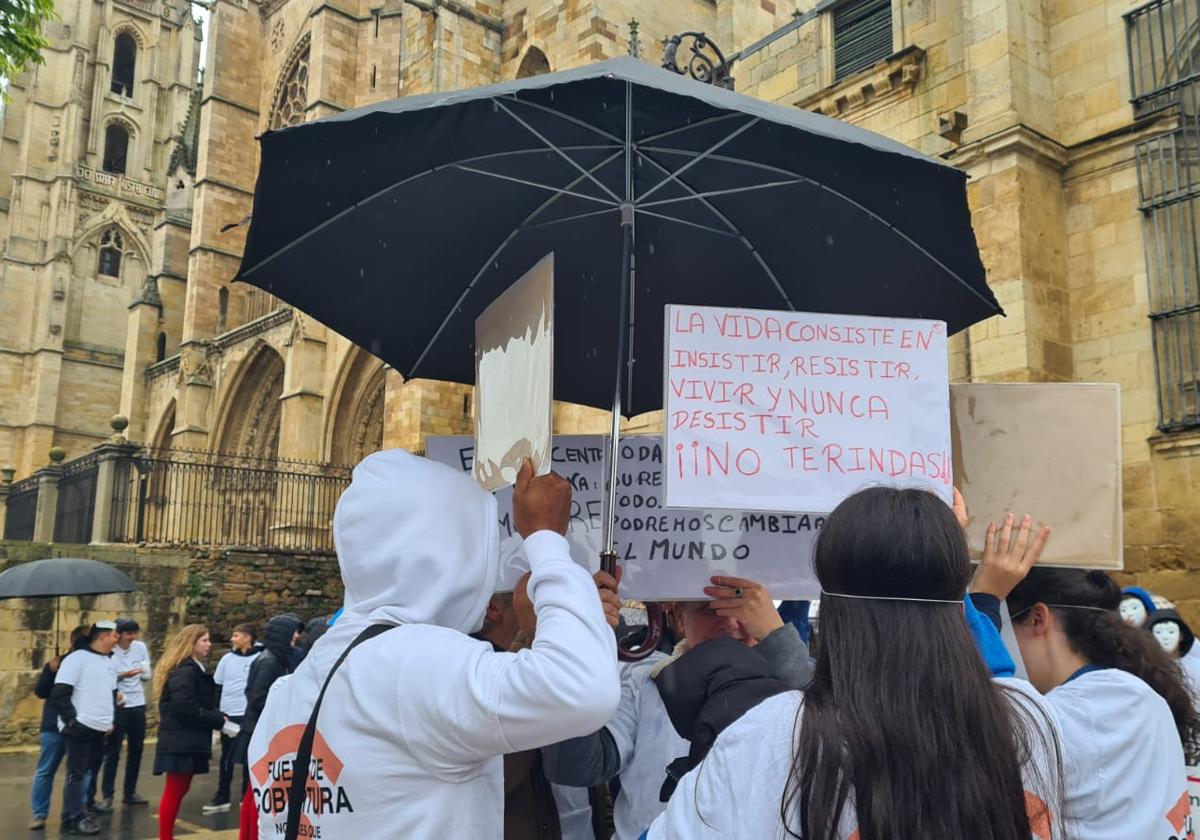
(708,689)
(270,665)
(42,688)
(188,711)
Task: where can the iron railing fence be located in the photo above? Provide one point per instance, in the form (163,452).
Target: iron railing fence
(76,500)
(178,497)
(21,509)
(1162,38)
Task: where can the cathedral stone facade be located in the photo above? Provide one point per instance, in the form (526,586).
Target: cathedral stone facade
(117,292)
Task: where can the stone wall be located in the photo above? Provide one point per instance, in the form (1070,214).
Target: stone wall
(176,586)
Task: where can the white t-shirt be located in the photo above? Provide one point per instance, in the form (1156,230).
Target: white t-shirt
(92,676)
(1124,768)
(231,674)
(132,688)
(738,789)
(647,743)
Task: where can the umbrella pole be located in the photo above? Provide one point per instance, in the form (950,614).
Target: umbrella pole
(608,556)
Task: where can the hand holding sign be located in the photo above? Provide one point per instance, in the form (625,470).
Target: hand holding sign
(748,602)
(1008,559)
(541,503)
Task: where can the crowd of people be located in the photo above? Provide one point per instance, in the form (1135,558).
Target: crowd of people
(95,701)
(935,699)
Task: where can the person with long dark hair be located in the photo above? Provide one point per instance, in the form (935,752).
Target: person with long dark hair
(1124,710)
(903,733)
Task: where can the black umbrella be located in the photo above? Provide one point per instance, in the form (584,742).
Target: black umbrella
(58,576)
(399,223)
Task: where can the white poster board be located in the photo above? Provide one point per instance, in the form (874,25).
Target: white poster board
(665,554)
(514,375)
(792,411)
(1193,823)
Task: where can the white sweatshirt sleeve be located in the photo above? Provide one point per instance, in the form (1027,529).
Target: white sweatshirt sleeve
(563,686)
(567,683)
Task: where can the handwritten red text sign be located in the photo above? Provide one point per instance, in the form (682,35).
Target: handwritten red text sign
(795,411)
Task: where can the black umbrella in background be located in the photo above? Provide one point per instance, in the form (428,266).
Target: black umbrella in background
(399,223)
(59,576)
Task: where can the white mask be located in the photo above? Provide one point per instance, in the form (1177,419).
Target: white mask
(1167,633)
(1133,611)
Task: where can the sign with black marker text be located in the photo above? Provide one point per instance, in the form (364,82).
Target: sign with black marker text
(665,554)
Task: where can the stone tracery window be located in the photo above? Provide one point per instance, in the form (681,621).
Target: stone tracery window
(291,97)
(112,246)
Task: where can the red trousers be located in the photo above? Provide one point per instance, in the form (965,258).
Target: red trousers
(248,817)
(168,808)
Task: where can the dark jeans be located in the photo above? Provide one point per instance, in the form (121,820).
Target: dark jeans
(129,724)
(85,751)
(229,751)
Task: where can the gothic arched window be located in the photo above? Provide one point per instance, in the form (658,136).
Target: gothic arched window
(534,63)
(116,149)
(124,63)
(291,98)
(112,246)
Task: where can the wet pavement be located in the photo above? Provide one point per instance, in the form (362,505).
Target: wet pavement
(125,823)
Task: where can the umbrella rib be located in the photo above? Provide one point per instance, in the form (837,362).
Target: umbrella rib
(546,109)
(518,229)
(779,171)
(712,193)
(734,229)
(575,218)
(385,190)
(558,190)
(557,150)
(654,138)
(709,152)
(665,218)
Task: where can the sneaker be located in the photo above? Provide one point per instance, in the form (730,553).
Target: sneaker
(37,824)
(134,799)
(84,826)
(217,806)
(102,807)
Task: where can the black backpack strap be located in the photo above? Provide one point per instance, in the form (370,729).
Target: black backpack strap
(300,766)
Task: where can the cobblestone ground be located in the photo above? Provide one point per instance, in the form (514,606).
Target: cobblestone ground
(140,823)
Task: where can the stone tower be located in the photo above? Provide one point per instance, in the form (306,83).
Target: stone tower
(87,141)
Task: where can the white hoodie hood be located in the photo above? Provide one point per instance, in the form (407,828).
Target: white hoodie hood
(417,542)
(411,730)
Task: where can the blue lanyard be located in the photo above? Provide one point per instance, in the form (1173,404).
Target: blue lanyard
(1086,669)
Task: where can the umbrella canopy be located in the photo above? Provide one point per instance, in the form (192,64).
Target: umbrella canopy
(399,223)
(60,576)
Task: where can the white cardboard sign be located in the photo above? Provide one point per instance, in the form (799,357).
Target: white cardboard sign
(665,554)
(792,411)
(514,375)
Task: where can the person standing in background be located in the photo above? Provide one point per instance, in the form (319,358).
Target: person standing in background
(230,677)
(52,744)
(131,661)
(84,697)
(188,715)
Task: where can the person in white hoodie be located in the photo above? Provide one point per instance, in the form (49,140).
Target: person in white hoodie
(1126,714)
(413,725)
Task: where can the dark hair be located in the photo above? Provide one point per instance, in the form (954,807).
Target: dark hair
(902,717)
(249,629)
(128,625)
(1104,639)
(79,636)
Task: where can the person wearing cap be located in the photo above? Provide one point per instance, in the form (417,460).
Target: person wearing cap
(84,696)
(131,661)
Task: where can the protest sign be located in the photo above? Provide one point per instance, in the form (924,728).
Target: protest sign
(791,411)
(514,376)
(1193,824)
(1052,450)
(665,554)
